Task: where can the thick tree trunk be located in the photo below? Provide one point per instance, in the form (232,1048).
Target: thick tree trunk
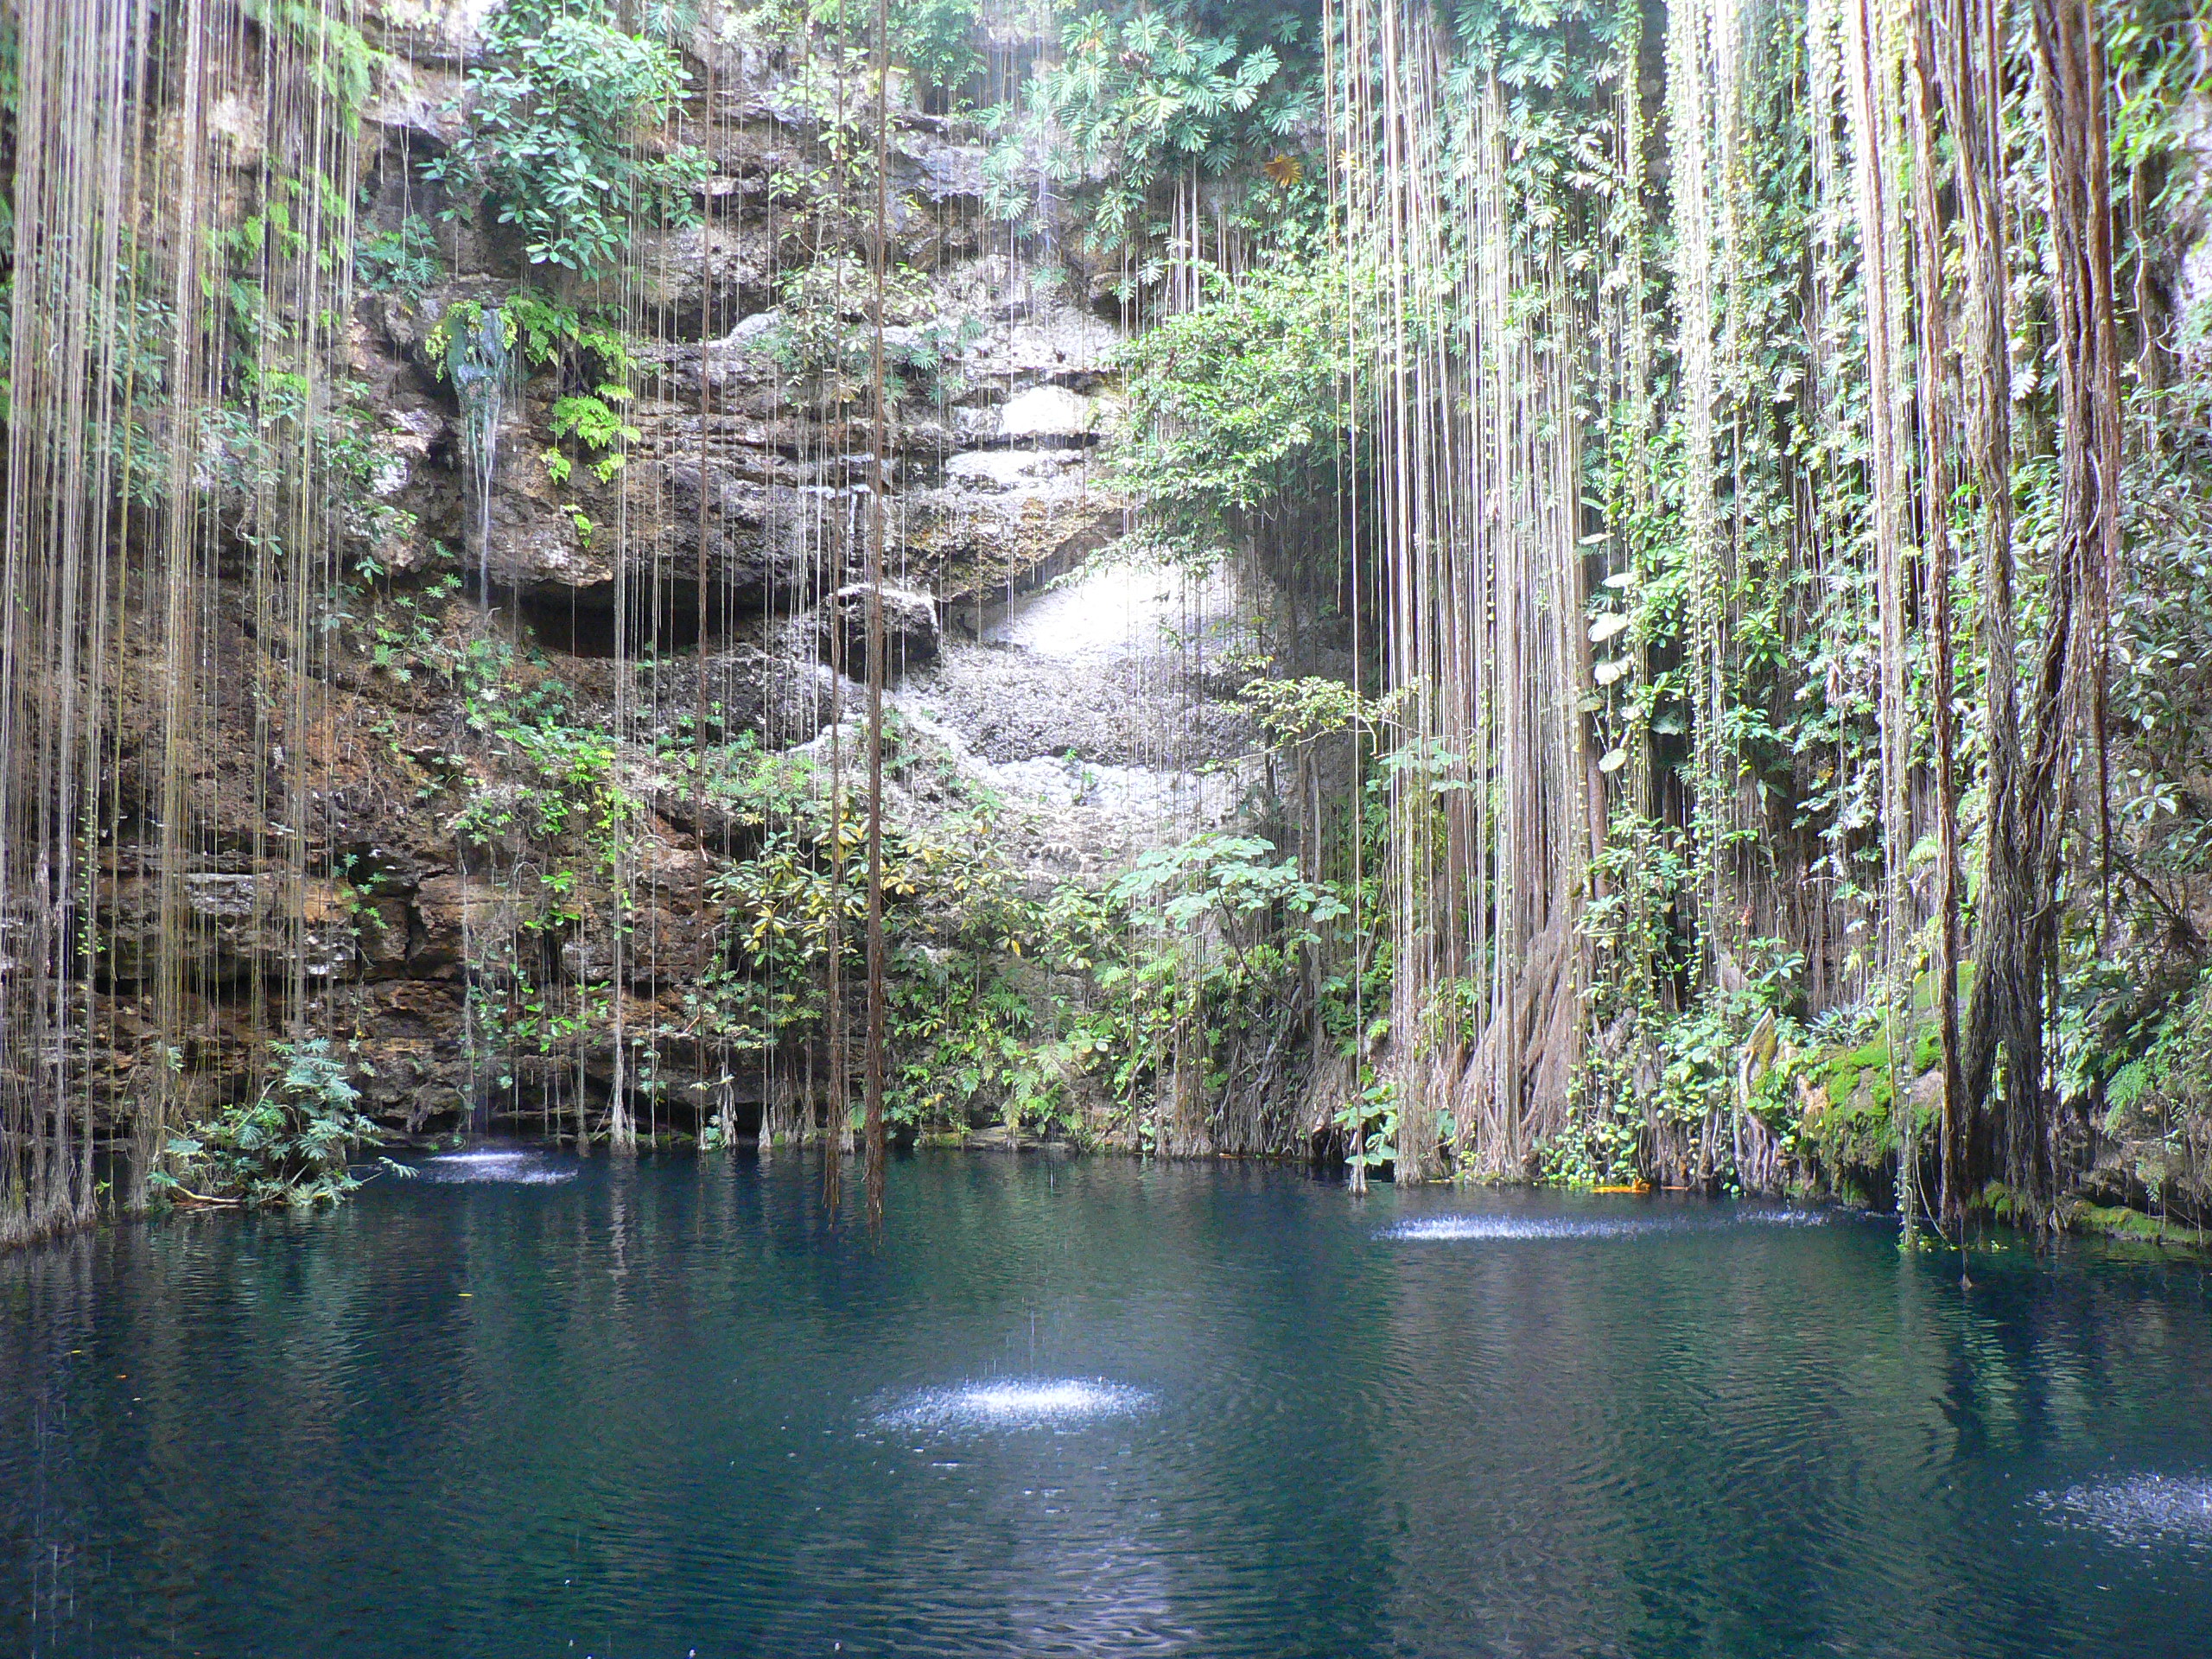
(1936,414)
(2030,786)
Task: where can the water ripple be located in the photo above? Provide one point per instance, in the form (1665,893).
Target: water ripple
(1239,1427)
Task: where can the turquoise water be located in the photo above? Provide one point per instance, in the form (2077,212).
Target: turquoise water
(532,1406)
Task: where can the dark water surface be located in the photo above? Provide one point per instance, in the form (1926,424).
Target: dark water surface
(1095,1407)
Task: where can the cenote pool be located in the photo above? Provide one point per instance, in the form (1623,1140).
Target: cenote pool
(534,1406)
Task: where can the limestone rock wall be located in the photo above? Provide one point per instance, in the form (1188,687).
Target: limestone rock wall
(457,903)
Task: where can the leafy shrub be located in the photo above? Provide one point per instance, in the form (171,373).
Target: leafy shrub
(404,261)
(553,118)
(2158,1106)
(826,337)
(935,39)
(1240,404)
(2161,695)
(1230,877)
(474,347)
(554,335)
(589,417)
(289,1147)
(340,60)
(1145,99)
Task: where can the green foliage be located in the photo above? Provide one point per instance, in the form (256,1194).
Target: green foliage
(759,789)
(1140,99)
(403,638)
(2117,1221)
(258,253)
(340,60)
(968,1012)
(555,115)
(937,39)
(808,886)
(1557,61)
(966,1029)
(556,336)
(351,451)
(1370,1121)
(1777,747)
(290,1146)
(1239,421)
(1302,710)
(138,373)
(2161,693)
(824,337)
(1638,958)
(1003,1005)
(403,261)
(473,346)
(2154,48)
(1656,1060)
(1764,772)
(589,417)
(11,83)
(128,349)
(1230,879)
(1205,951)
(1240,404)
(934,39)
(2158,1104)
(569,777)
(285,454)
(561,785)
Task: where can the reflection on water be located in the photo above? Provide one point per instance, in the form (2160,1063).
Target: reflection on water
(1093,1407)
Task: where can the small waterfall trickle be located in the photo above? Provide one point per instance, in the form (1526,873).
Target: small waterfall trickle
(479,360)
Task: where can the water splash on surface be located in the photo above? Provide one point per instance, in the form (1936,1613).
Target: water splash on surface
(513,1168)
(1458,1227)
(2143,1510)
(1490,1226)
(1016,1403)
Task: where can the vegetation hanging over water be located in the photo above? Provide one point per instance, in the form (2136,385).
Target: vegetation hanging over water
(1718,496)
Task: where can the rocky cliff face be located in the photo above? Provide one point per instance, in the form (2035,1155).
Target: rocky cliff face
(514,852)
(488,693)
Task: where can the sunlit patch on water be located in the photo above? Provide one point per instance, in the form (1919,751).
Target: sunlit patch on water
(2144,1510)
(1478,1226)
(515,1168)
(1016,1403)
